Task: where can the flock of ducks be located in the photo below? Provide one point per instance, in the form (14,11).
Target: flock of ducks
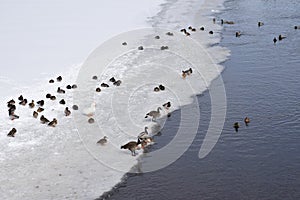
(236,125)
(39,105)
(143,138)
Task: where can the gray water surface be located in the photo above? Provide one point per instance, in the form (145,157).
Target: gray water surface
(261,161)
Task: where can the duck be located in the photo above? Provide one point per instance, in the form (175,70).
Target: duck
(40,109)
(10,102)
(296,27)
(156,89)
(98,89)
(124,43)
(41,102)
(226,22)
(167,105)
(102,141)
(31,105)
(53,123)
(164,47)
(59,78)
(214,20)
(236,126)
(53,98)
(193,29)
(61,91)
(112,79)
(144,134)
(187,34)
(48,96)
(11,107)
(104,85)
(91,120)
(247,121)
(12,115)
(12,132)
(211,32)
(63,102)
(69,87)
(75,107)
(20,98)
(94,77)
(169,34)
(67,111)
(74,86)
(117,83)
(51,81)
(131,146)
(157,37)
(259,24)
(183,30)
(154,114)
(238,34)
(140,48)
(90,111)
(35,114)
(189,71)
(23,102)
(202,28)
(44,119)
(161,87)
(280,37)
(274,40)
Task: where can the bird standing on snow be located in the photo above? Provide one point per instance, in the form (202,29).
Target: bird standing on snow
(90,111)
(131,146)
(154,114)
(67,111)
(102,141)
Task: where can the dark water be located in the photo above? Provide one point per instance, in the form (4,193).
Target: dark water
(261,161)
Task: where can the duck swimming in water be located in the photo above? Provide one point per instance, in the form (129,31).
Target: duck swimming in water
(259,24)
(247,121)
(236,126)
(238,34)
(280,37)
